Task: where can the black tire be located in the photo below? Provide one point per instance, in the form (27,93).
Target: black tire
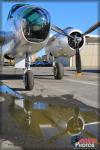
(58,71)
(29,80)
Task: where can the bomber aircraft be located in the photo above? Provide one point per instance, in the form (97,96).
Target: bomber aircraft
(30,31)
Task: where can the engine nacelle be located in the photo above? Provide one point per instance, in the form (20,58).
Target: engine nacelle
(60,45)
(30,28)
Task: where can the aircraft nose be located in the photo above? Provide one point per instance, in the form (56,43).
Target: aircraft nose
(36,24)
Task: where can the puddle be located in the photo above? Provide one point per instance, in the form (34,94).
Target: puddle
(40,118)
(39,105)
(51,119)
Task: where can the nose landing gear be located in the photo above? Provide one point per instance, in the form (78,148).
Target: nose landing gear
(28,75)
(29,81)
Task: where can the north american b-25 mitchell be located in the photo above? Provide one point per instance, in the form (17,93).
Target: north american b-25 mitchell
(30,32)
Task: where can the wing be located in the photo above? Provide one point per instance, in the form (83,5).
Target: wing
(92,39)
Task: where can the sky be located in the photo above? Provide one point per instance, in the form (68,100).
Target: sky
(77,14)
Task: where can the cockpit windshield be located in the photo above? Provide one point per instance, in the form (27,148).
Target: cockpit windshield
(36,24)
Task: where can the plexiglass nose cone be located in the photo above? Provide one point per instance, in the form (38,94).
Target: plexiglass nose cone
(36,24)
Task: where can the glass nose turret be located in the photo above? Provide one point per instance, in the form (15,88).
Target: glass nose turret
(36,24)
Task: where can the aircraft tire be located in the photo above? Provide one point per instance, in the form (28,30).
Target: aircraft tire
(29,80)
(58,71)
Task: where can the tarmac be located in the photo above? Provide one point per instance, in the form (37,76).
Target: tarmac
(51,103)
(85,88)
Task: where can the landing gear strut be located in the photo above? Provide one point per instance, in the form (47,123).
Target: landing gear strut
(28,75)
(58,70)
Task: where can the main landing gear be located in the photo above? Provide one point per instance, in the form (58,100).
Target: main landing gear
(58,70)
(28,75)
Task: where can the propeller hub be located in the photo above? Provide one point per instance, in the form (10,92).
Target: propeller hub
(76,40)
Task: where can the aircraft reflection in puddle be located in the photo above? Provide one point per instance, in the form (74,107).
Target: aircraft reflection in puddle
(44,119)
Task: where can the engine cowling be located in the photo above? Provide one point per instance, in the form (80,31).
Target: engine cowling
(75,33)
(60,45)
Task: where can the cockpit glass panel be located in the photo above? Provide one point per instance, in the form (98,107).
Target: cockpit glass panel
(36,24)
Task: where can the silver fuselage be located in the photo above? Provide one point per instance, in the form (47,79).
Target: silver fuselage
(15,43)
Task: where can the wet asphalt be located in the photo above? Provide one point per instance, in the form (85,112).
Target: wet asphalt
(43,118)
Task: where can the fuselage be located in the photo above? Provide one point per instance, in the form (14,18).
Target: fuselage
(30,28)
(30,31)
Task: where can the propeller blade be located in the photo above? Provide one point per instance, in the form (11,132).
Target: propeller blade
(59,30)
(78,61)
(92,28)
